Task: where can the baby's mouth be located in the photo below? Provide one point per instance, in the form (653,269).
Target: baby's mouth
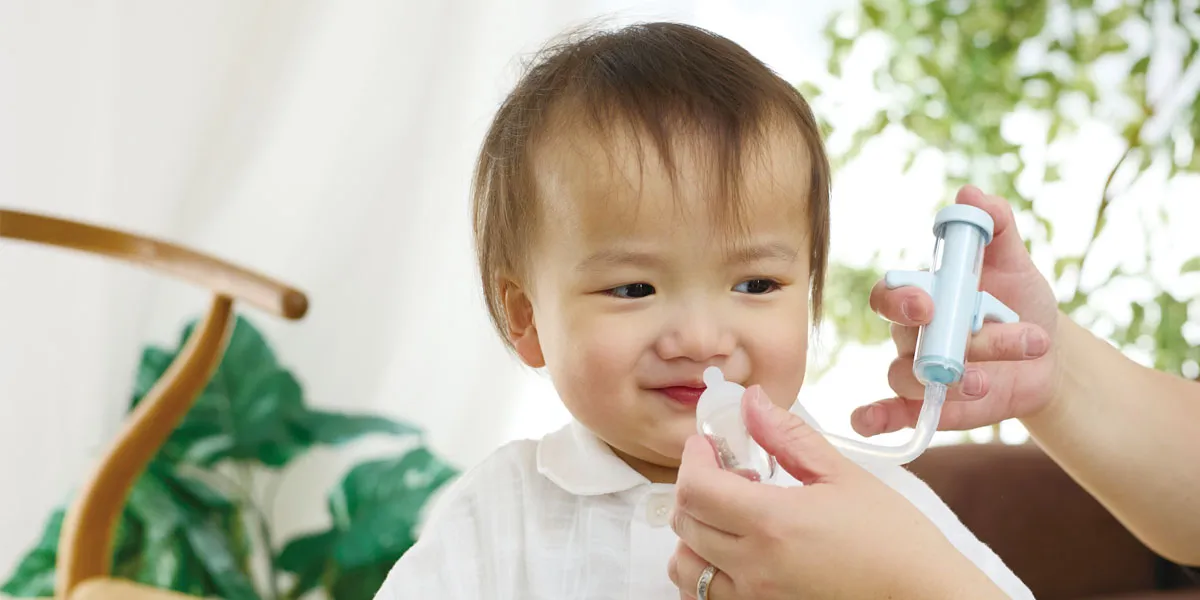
(686,395)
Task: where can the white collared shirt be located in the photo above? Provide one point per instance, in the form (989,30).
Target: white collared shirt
(564,517)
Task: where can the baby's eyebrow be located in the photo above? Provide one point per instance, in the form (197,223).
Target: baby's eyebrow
(616,258)
(757,252)
(740,255)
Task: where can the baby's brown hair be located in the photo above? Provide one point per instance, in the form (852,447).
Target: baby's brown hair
(658,79)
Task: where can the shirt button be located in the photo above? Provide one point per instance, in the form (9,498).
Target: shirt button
(658,509)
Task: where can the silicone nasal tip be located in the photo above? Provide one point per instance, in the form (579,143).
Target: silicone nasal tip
(718,394)
(713,377)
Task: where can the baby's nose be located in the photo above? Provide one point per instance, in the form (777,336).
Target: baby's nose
(698,337)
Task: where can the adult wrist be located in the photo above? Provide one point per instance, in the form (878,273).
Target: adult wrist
(1073,371)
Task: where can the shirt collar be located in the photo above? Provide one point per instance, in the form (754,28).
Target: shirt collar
(580,463)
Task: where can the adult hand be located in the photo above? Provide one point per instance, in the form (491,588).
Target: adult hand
(1013,369)
(843,534)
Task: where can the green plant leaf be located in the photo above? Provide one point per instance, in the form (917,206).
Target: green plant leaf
(204,502)
(161,563)
(151,501)
(190,536)
(306,552)
(204,443)
(238,414)
(34,574)
(378,503)
(129,546)
(193,579)
(380,535)
(246,353)
(261,411)
(332,428)
(359,584)
(380,483)
(213,549)
(308,557)
(198,494)
(1191,266)
(374,509)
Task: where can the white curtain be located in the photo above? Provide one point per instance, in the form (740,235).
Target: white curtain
(328,144)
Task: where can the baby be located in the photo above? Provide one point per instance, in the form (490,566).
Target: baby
(648,202)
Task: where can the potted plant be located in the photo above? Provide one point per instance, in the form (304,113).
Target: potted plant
(191,523)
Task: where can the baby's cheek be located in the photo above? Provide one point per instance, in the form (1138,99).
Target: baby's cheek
(780,368)
(611,343)
(596,369)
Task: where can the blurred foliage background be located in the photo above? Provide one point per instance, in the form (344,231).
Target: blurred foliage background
(958,78)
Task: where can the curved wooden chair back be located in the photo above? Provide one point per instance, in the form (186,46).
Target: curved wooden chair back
(85,545)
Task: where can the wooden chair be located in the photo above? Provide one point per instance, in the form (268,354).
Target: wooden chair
(86,542)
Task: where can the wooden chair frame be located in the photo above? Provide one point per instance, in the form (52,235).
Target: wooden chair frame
(85,544)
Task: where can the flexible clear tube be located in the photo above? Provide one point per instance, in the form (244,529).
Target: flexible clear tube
(872,454)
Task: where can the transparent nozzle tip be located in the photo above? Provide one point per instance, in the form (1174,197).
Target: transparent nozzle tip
(713,377)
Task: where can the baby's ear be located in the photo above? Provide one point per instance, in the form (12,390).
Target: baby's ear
(522,331)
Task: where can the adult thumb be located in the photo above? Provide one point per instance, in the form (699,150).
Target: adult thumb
(800,449)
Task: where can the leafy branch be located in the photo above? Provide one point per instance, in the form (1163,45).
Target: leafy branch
(1133,139)
(953,79)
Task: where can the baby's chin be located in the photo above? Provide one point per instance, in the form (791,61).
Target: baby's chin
(673,435)
(666,452)
(656,459)
(647,445)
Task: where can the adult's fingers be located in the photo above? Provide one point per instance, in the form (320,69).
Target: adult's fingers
(1008,342)
(905,305)
(905,338)
(684,569)
(718,547)
(993,342)
(885,416)
(718,498)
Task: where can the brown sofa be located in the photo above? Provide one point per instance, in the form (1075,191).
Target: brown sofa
(1049,531)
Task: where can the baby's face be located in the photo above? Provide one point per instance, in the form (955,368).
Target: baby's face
(634,294)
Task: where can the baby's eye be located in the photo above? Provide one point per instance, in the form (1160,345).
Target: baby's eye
(756,286)
(633,290)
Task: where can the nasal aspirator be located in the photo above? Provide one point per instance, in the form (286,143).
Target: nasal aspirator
(960,310)
(719,418)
